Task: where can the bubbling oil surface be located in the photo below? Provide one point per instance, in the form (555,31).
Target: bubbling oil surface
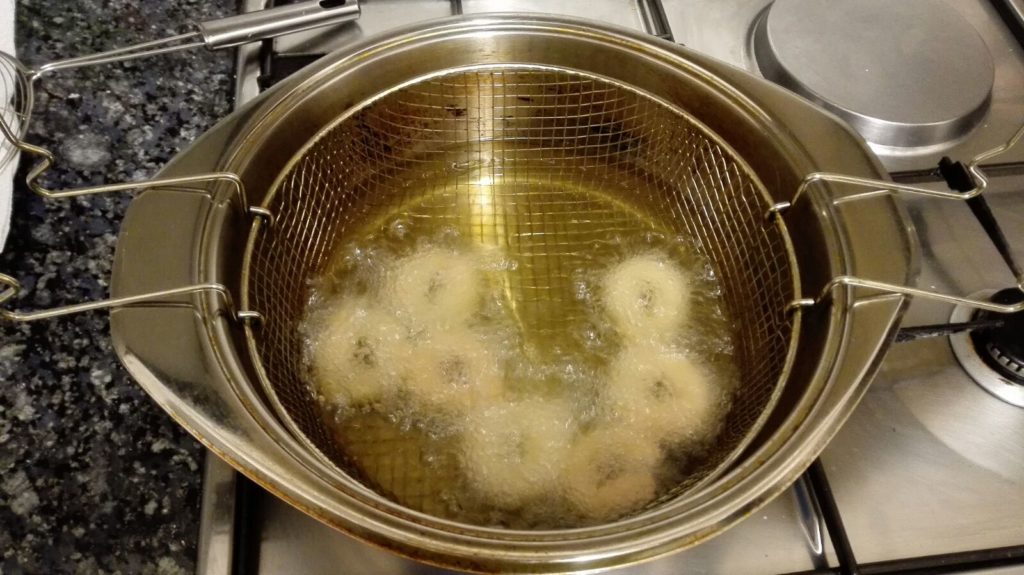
(532,323)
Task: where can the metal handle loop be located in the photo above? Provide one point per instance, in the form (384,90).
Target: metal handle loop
(883,187)
(214,34)
(12,288)
(835,282)
(46,161)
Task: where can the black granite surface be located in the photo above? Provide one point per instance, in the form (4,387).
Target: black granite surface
(94,477)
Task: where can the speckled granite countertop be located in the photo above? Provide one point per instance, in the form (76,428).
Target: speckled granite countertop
(94,477)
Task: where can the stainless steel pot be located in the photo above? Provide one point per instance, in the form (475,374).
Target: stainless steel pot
(192,354)
(215,391)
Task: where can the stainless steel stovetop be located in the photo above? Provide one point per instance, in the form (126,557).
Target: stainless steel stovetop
(928,474)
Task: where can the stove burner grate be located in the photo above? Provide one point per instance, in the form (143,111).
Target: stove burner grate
(993,356)
(1002,348)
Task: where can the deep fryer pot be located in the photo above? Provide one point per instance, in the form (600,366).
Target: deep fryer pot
(253,422)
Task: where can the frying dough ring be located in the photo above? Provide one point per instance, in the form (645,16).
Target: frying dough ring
(647,298)
(609,473)
(513,452)
(435,287)
(453,371)
(350,352)
(661,394)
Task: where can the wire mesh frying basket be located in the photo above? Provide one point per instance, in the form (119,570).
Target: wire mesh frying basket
(416,151)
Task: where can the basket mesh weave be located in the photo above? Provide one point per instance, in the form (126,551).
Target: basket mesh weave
(417,152)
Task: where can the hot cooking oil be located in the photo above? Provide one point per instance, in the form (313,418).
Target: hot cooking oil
(486,344)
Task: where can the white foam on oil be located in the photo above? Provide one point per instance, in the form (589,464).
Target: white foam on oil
(519,430)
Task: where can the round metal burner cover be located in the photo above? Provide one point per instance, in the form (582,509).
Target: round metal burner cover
(904,73)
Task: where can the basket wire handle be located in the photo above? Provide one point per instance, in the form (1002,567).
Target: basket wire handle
(46,161)
(214,34)
(883,187)
(12,288)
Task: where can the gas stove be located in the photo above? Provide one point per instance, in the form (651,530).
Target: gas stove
(927,476)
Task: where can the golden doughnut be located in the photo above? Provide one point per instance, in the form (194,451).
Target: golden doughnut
(435,287)
(352,347)
(646,298)
(450,371)
(515,451)
(610,472)
(660,394)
